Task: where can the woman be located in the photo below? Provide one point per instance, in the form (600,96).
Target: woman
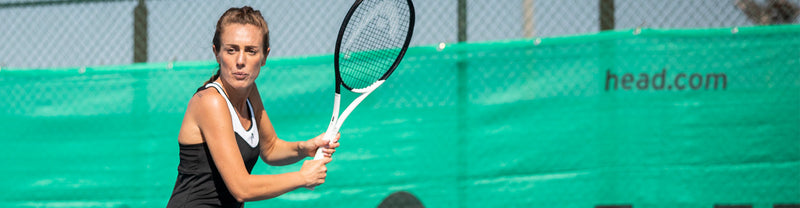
(226,129)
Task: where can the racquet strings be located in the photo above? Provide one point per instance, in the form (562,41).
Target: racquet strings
(372,41)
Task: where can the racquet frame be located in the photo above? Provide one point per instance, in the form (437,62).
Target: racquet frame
(337,120)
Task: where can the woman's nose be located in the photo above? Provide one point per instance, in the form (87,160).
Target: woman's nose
(240,60)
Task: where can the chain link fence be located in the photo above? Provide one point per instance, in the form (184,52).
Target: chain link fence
(78,33)
(535,111)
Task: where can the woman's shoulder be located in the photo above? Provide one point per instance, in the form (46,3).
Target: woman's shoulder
(206,101)
(206,108)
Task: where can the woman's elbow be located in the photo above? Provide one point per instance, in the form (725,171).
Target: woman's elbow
(241,196)
(242,193)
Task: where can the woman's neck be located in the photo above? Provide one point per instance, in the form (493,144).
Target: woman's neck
(238,98)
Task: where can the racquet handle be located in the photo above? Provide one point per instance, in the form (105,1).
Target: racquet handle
(329,135)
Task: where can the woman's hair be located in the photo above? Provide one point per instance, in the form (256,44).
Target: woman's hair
(245,15)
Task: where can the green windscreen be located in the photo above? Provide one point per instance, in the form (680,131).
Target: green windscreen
(644,117)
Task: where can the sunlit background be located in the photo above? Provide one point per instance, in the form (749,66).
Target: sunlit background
(498,103)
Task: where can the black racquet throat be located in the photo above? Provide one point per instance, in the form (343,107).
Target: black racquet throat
(371,43)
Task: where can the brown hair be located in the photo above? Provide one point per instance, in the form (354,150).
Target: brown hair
(245,15)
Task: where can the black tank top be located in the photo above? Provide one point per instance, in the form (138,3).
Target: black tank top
(199,183)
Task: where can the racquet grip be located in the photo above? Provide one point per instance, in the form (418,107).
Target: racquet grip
(327,137)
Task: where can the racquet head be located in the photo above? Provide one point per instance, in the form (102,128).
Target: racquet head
(372,40)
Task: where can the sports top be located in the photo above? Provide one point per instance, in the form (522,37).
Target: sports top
(199,183)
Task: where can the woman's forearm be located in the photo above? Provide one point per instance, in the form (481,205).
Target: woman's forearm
(285,153)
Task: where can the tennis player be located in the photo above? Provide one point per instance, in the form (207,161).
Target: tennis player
(226,129)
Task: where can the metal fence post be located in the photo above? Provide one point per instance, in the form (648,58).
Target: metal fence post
(140,32)
(606,15)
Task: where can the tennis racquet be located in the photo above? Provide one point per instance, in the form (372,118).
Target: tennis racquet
(372,40)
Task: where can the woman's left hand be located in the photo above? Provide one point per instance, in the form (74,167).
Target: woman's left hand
(311,146)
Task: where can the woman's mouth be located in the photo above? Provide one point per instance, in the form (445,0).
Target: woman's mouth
(239,75)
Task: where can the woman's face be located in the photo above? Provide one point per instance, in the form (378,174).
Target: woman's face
(241,55)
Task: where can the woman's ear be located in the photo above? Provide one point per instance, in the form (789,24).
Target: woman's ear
(264,61)
(214,50)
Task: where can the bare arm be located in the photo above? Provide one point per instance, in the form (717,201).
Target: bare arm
(211,114)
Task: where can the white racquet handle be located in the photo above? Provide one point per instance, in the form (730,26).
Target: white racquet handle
(329,135)
(337,121)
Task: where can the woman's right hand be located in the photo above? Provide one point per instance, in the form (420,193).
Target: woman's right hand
(314,172)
